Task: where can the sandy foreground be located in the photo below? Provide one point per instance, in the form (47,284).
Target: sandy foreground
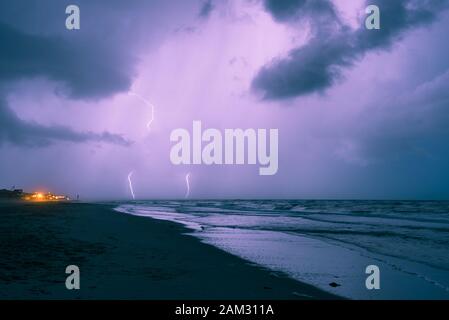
(123,257)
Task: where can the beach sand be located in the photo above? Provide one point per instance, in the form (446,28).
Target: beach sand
(123,257)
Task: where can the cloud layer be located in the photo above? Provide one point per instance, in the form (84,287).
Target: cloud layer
(14,130)
(85,72)
(334,47)
(95,62)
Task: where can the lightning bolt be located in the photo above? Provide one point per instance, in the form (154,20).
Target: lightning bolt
(187,185)
(147,103)
(131,185)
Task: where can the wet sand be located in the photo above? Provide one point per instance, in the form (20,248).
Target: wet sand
(123,257)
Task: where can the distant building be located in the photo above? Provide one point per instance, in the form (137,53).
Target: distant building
(11,194)
(38,196)
(18,194)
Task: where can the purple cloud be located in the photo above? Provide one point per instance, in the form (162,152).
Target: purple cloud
(320,63)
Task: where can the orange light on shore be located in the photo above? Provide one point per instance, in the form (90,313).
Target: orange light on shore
(42,197)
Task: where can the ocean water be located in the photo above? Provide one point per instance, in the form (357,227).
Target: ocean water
(323,242)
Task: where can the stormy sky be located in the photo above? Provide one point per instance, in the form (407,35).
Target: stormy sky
(362,114)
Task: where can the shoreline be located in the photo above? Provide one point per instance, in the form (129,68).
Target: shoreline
(122,256)
(330,251)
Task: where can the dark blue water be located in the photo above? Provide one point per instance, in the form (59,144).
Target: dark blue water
(320,242)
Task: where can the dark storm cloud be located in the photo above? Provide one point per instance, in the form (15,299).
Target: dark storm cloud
(94,62)
(308,69)
(416,125)
(319,64)
(13,130)
(284,10)
(85,71)
(91,63)
(81,72)
(206,9)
